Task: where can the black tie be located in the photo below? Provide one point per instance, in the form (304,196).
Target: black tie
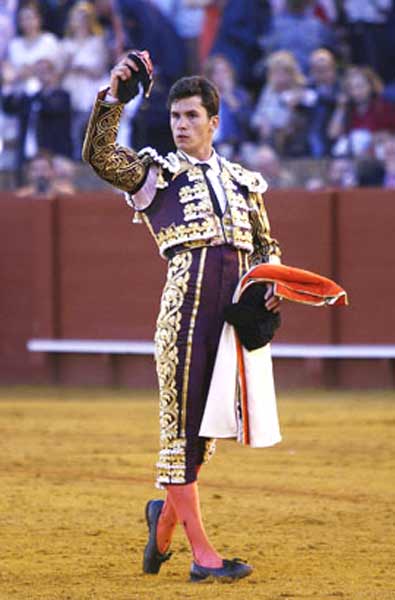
(213,196)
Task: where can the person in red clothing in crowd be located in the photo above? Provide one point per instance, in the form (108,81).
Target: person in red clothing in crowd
(361,112)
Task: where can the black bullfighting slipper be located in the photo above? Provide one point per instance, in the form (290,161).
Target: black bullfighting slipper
(230,571)
(153,559)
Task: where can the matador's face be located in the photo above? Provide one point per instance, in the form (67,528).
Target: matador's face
(191,127)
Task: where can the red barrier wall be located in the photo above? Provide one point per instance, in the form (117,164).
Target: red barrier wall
(365,265)
(78,268)
(16,297)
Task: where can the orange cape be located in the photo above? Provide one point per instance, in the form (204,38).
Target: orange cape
(290,283)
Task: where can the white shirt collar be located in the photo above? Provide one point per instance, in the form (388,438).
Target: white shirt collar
(213,161)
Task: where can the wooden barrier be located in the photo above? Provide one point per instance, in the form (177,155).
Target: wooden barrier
(77,268)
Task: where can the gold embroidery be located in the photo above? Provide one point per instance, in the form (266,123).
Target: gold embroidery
(188,193)
(208,229)
(264,244)
(171,463)
(244,223)
(236,218)
(252,180)
(118,165)
(191,329)
(197,211)
(172,453)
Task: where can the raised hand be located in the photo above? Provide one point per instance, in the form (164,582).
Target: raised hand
(129,70)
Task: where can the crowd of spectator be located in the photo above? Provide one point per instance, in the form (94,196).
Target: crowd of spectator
(299,79)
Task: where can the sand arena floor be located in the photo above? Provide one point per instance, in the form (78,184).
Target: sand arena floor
(313,515)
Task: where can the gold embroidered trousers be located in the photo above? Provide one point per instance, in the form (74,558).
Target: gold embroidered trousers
(200,283)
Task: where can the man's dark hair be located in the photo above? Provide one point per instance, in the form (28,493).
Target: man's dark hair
(186,87)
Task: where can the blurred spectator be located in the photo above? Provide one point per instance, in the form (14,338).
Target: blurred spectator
(325,84)
(7,31)
(212,20)
(370,172)
(150,124)
(64,169)
(371,32)
(298,31)
(361,111)
(235,103)
(187,17)
(146,27)
(326,10)
(388,154)
(27,48)
(42,179)
(44,117)
(85,65)
(242,25)
(54,15)
(7,24)
(341,173)
(278,118)
(266,161)
(110,19)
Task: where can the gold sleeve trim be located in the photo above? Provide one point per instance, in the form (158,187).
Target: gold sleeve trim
(115,164)
(264,245)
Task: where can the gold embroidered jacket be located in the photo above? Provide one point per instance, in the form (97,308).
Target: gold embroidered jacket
(179,212)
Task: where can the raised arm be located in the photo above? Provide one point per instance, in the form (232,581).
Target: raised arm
(120,166)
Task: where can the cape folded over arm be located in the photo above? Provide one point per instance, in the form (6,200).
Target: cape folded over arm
(241,402)
(297,285)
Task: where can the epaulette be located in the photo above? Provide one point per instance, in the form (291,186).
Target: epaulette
(250,179)
(170,162)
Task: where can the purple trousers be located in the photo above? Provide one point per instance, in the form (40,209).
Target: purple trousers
(200,283)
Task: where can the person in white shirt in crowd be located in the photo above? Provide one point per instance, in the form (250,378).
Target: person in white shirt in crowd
(85,65)
(31,45)
(22,53)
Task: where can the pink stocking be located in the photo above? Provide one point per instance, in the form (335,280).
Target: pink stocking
(166,525)
(186,504)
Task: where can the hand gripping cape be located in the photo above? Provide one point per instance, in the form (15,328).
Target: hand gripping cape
(241,402)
